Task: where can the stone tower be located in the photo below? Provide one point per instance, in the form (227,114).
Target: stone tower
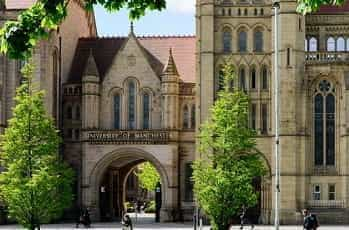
(90,94)
(170,94)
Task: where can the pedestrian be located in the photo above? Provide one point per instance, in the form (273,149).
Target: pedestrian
(126,222)
(84,219)
(310,220)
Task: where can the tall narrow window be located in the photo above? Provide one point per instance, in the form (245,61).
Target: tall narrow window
(340,44)
(264,78)
(316,192)
(288,61)
(146,110)
(193,123)
(331,192)
(258,41)
(186,117)
(253,116)
(239,11)
(264,119)
(242,79)
(189,185)
(77,112)
(324,124)
(219,82)
(313,44)
(255,11)
(117,105)
(347,43)
(227,38)
(253,79)
(262,11)
(69,112)
(305,44)
(55,95)
(331,44)
(246,12)
(242,41)
(131,105)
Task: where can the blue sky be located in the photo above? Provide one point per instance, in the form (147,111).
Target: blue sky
(177,19)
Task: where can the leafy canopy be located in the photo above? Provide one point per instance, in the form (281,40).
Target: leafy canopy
(36,186)
(229,159)
(18,38)
(148,176)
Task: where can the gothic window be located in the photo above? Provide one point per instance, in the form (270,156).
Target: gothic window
(253,78)
(69,112)
(324,124)
(219,82)
(255,11)
(242,78)
(262,11)
(331,44)
(258,41)
(131,105)
(242,41)
(264,119)
(223,12)
(146,111)
(239,11)
(227,38)
(189,185)
(340,44)
(253,116)
(264,74)
(245,12)
(186,117)
(192,117)
(229,12)
(117,116)
(77,112)
(312,44)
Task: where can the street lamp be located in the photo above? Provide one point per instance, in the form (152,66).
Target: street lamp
(276,7)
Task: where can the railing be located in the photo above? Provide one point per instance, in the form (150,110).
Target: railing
(128,137)
(326,57)
(326,203)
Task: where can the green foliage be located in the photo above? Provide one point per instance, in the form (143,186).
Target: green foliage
(36,186)
(148,176)
(151,208)
(229,159)
(18,38)
(308,6)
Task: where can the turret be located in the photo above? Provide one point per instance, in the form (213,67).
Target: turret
(170,92)
(90,94)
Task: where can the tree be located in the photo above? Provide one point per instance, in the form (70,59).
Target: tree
(36,186)
(229,159)
(18,38)
(148,176)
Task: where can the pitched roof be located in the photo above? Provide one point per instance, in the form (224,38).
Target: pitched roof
(18,4)
(155,49)
(331,9)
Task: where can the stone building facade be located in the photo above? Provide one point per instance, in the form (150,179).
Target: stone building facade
(314,102)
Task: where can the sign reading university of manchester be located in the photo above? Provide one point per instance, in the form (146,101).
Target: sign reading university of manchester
(128,137)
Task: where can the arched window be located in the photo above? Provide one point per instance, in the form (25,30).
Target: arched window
(255,11)
(258,41)
(186,117)
(262,11)
(193,123)
(305,45)
(253,78)
(229,12)
(77,112)
(242,41)
(146,111)
(131,105)
(227,38)
(340,44)
(242,79)
(220,81)
(331,44)
(117,111)
(69,112)
(239,11)
(264,74)
(245,12)
(312,44)
(324,124)
(223,12)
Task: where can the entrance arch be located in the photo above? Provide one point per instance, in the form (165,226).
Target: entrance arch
(126,159)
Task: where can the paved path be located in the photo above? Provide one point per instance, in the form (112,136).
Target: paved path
(167,226)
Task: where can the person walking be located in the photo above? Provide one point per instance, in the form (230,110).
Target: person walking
(310,220)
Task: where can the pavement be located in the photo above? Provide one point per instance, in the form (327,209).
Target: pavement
(146,222)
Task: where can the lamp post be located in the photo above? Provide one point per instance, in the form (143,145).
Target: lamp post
(276,7)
